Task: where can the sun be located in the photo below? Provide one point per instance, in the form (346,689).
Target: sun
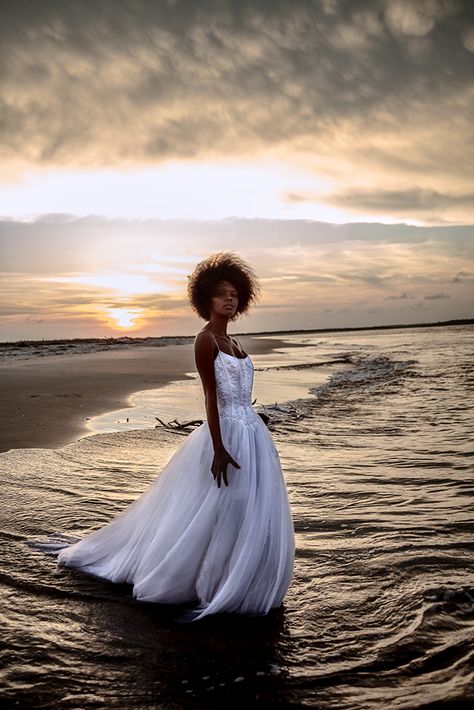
(124,318)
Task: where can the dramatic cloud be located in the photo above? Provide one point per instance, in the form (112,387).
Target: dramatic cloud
(330,142)
(378,96)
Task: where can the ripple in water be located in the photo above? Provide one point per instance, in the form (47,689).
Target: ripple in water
(378,463)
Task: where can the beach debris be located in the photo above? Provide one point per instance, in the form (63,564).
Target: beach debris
(270,414)
(263,415)
(277,416)
(179,427)
(282,414)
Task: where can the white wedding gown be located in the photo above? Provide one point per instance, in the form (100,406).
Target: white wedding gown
(185,540)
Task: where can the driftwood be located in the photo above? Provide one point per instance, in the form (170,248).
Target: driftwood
(187,427)
(178,427)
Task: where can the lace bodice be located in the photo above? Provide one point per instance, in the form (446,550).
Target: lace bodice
(234,382)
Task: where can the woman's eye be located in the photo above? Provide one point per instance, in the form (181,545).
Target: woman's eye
(222,294)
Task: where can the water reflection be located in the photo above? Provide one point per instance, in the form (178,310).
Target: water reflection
(381,608)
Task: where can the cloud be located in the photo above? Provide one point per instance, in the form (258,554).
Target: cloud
(78,273)
(369,85)
(397,201)
(416,19)
(415,201)
(62,244)
(463,277)
(402,297)
(419,306)
(438,295)
(468,38)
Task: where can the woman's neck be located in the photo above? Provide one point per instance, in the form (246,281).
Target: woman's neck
(218,325)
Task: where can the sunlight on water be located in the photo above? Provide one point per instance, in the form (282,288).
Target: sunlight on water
(277,379)
(378,464)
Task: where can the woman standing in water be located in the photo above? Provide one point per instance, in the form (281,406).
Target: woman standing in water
(214,528)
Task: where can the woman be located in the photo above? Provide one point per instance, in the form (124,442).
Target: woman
(214,528)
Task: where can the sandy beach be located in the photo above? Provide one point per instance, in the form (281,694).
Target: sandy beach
(45,402)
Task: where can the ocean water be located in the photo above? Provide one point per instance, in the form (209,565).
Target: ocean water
(377,449)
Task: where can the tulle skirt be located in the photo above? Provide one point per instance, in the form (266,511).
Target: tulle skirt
(185,540)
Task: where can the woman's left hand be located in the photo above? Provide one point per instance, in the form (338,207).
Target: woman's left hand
(221,460)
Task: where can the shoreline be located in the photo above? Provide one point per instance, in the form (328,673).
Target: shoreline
(165,340)
(46,402)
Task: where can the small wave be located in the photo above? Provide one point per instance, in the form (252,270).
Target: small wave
(347,358)
(367,371)
(54,543)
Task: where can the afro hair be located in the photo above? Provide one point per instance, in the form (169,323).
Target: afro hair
(223,266)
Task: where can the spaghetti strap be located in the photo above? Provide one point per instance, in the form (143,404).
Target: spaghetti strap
(240,346)
(215,340)
(232,337)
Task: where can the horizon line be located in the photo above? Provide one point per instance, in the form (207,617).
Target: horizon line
(24,343)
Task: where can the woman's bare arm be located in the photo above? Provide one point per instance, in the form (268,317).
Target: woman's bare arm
(204,347)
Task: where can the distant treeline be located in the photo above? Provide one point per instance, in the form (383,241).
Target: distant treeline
(459,321)
(163,339)
(123,340)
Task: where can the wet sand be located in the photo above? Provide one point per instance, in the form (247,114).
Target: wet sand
(46,402)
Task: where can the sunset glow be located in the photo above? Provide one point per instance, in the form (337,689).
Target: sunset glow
(327,143)
(182,190)
(123,318)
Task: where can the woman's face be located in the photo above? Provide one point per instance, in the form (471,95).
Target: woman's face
(225,299)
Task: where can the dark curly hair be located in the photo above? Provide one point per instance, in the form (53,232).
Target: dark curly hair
(223,266)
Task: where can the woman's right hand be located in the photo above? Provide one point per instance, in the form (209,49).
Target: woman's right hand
(221,460)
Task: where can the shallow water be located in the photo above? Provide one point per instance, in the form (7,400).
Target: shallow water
(378,464)
(280,375)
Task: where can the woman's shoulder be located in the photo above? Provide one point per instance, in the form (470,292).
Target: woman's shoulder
(204,341)
(204,336)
